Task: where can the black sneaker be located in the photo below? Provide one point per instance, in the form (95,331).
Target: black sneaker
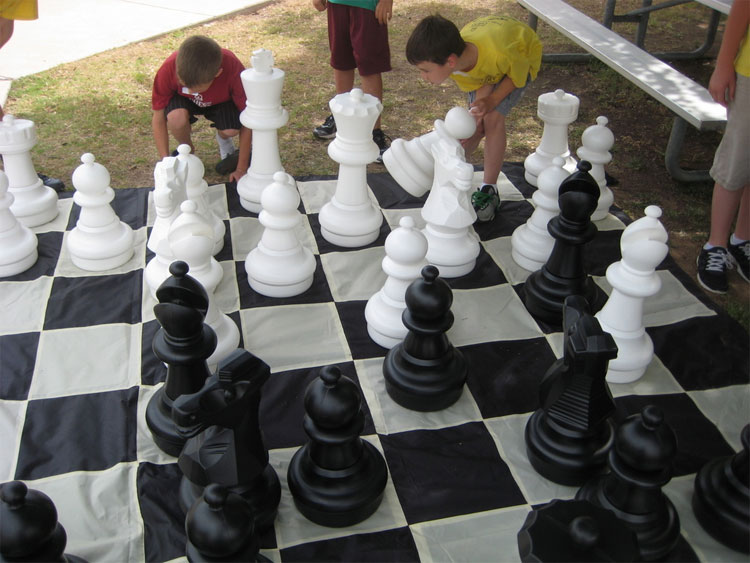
(712,269)
(54,183)
(228,164)
(383,142)
(327,130)
(485,202)
(741,255)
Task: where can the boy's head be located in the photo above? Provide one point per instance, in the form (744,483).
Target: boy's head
(434,47)
(198,62)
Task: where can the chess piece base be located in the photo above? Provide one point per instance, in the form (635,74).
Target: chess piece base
(19,266)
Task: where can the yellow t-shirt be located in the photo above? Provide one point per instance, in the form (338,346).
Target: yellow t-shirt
(19,9)
(742,62)
(505,47)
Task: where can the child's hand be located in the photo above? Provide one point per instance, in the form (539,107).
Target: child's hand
(320,5)
(480,108)
(383,11)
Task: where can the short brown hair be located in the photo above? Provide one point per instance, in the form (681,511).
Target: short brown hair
(198,60)
(434,40)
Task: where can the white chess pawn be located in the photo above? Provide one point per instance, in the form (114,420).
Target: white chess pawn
(34,203)
(531,243)
(99,241)
(557,110)
(280,266)
(196,189)
(351,218)
(264,115)
(18,243)
(411,163)
(595,144)
(405,250)
(633,278)
(191,240)
(452,246)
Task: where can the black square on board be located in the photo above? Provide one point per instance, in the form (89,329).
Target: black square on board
(17,359)
(324,246)
(318,292)
(485,273)
(389,545)
(163,521)
(509,216)
(352,315)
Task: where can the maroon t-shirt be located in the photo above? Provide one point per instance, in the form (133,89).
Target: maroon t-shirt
(227,86)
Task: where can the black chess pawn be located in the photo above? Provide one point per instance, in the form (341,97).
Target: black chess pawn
(575,530)
(220,526)
(184,343)
(337,479)
(721,497)
(545,290)
(224,440)
(568,438)
(640,464)
(425,372)
(29,530)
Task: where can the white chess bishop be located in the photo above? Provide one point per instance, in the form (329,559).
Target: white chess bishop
(264,115)
(280,266)
(531,243)
(196,189)
(411,163)
(405,251)
(351,219)
(633,278)
(452,245)
(596,142)
(99,241)
(557,110)
(18,243)
(191,240)
(34,203)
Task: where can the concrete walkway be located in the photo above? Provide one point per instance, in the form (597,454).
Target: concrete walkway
(68,30)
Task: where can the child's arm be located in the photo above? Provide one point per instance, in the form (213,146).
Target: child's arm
(246,141)
(484,104)
(320,5)
(161,135)
(723,80)
(384,11)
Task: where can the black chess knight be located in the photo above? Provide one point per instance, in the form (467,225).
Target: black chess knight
(224,440)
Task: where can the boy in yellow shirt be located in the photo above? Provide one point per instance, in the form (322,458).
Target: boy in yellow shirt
(492,58)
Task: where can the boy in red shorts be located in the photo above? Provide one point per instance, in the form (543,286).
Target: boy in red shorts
(201,78)
(358,39)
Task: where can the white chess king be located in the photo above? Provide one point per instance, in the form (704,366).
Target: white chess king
(18,243)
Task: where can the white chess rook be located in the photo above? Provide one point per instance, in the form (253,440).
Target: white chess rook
(18,243)
(644,246)
(264,115)
(99,241)
(596,142)
(452,245)
(405,250)
(557,110)
(531,243)
(410,163)
(280,266)
(34,203)
(351,219)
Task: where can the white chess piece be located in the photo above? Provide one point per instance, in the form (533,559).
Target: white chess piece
(280,266)
(452,245)
(18,243)
(264,115)
(595,144)
(411,163)
(351,218)
(633,278)
(196,189)
(531,243)
(191,240)
(557,110)
(405,250)
(99,241)
(34,203)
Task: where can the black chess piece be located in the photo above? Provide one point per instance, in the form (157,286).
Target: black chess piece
(575,530)
(224,439)
(220,526)
(337,479)
(425,372)
(568,438)
(545,290)
(29,530)
(184,343)
(640,464)
(721,497)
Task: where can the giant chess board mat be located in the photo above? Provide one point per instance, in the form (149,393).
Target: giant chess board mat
(77,371)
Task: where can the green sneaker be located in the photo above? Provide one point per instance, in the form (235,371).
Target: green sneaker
(485,202)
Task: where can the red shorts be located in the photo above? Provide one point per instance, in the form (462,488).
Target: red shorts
(357,40)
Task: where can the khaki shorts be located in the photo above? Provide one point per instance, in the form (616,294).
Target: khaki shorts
(731,168)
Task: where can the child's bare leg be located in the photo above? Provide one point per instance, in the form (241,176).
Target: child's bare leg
(724,204)
(742,228)
(343,80)
(494,146)
(373,84)
(178,123)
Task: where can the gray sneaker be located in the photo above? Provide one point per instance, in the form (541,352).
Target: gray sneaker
(485,202)
(712,269)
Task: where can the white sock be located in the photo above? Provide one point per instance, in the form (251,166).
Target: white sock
(226,146)
(708,246)
(735,241)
